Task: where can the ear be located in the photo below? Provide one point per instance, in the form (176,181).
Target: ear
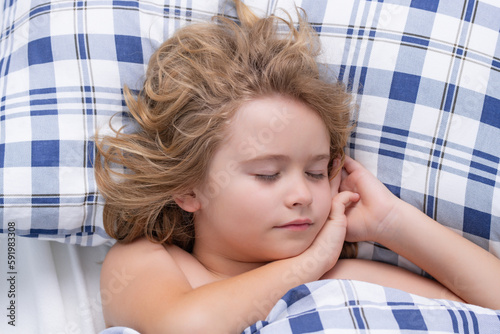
(188,202)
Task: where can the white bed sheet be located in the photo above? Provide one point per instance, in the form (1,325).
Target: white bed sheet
(56,287)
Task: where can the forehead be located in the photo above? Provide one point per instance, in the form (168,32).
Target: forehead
(275,125)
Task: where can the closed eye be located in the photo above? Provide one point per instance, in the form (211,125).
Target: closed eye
(316,176)
(267,177)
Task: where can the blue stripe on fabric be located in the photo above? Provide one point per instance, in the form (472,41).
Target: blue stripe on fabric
(88,229)
(391,154)
(396,131)
(404,87)
(42,102)
(362,79)
(37,10)
(82,46)
(306,323)
(2,158)
(475,323)
(481,179)
(409,319)
(429,5)
(90,154)
(400,303)
(392,142)
(491,111)
(484,168)
(360,322)
(437,153)
(45,200)
(465,327)
(469,10)
(454,320)
(486,156)
(450,93)
(477,222)
(34,232)
(48,90)
(429,205)
(352,75)
(45,153)
(129,49)
(415,40)
(133,4)
(40,51)
(296,294)
(341,73)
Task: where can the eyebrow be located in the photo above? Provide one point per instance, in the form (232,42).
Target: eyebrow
(281,157)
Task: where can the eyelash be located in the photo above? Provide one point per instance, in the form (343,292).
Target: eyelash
(274,177)
(316,176)
(267,178)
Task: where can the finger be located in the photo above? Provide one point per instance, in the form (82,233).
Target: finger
(347,183)
(340,202)
(351,165)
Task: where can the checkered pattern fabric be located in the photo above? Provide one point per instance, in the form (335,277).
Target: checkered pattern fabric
(352,307)
(427,78)
(426,75)
(62,69)
(337,306)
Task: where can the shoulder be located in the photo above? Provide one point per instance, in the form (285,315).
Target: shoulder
(134,250)
(139,273)
(136,257)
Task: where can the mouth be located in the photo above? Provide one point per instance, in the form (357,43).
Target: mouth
(296,225)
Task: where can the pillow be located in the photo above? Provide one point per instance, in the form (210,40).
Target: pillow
(427,78)
(62,69)
(425,75)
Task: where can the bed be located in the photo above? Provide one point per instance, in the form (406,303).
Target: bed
(426,76)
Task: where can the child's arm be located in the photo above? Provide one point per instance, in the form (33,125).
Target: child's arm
(463,267)
(144,288)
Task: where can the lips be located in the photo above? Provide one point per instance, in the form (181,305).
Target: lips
(296,225)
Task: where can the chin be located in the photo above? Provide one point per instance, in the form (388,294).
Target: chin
(289,252)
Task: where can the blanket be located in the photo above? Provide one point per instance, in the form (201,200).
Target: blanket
(347,306)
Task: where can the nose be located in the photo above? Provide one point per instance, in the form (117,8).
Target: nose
(299,193)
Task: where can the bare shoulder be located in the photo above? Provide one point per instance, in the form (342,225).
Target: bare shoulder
(389,276)
(136,283)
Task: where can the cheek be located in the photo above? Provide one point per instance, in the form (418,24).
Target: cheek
(324,201)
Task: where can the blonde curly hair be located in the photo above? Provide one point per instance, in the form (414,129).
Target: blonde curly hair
(194,84)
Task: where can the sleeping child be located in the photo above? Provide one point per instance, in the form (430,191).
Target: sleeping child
(235,188)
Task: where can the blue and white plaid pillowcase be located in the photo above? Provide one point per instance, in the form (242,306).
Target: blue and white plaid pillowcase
(427,75)
(63,66)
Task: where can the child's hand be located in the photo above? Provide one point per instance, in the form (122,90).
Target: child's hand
(372,214)
(326,248)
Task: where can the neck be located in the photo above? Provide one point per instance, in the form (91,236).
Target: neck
(220,265)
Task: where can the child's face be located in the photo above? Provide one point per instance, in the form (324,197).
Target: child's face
(268,192)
